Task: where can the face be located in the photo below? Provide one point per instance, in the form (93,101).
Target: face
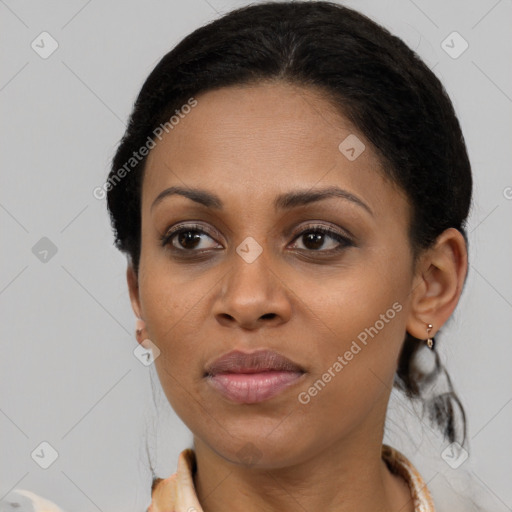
(250,269)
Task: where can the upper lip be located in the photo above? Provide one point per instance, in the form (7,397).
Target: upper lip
(237,361)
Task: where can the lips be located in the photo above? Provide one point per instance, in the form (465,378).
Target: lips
(254,362)
(243,377)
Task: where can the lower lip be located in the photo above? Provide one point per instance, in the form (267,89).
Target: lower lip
(251,388)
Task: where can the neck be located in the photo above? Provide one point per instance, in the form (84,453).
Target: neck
(346,477)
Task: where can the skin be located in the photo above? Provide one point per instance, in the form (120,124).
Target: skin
(248,145)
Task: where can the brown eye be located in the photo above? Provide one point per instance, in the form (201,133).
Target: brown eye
(190,238)
(187,239)
(316,238)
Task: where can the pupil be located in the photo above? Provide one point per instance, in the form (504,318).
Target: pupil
(186,237)
(316,238)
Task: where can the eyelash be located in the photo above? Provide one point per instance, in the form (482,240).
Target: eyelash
(344,241)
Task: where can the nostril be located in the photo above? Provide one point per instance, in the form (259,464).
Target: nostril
(268,315)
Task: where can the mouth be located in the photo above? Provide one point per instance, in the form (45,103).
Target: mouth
(251,378)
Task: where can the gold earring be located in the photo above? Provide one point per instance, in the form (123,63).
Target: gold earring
(430,341)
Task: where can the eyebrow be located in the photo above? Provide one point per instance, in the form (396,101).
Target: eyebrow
(289,200)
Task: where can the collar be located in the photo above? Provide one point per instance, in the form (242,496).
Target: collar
(177,493)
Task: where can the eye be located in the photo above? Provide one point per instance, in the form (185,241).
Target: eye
(314,238)
(186,238)
(193,238)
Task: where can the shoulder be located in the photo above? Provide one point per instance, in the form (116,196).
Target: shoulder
(22,500)
(163,492)
(176,492)
(400,465)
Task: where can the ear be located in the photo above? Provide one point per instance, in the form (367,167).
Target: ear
(437,284)
(133,289)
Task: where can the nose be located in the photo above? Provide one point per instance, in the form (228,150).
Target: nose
(252,295)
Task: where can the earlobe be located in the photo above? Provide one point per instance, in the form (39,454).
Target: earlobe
(133,288)
(438,284)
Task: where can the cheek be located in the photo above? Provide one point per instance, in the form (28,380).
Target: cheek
(365,303)
(171,312)
(366,318)
(173,325)
(357,371)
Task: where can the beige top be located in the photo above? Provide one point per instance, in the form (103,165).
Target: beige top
(177,493)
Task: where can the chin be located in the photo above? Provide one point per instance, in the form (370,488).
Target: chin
(258,450)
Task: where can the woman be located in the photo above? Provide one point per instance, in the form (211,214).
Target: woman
(291,194)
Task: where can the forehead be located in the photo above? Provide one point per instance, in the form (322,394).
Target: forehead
(251,142)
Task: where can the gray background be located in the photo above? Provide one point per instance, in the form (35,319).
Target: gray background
(68,373)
